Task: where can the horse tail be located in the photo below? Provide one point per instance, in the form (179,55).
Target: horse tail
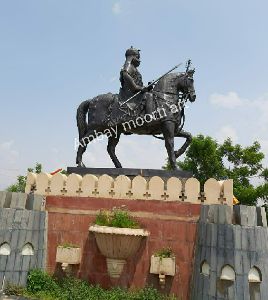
(81,118)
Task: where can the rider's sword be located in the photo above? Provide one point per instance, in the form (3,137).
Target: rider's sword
(152,83)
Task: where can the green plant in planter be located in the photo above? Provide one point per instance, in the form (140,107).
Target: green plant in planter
(68,245)
(165,253)
(116,217)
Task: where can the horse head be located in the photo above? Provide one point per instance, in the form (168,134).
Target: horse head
(186,85)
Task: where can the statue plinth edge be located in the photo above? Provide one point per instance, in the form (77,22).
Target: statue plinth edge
(114,172)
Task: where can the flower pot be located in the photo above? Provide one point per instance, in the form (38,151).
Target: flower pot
(165,266)
(117,245)
(68,256)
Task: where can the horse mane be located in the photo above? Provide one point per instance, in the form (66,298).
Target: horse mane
(169,77)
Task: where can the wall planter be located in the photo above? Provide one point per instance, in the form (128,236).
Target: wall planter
(68,255)
(117,245)
(162,265)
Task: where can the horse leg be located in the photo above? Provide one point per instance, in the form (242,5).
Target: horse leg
(112,142)
(188,137)
(168,129)
(89,136)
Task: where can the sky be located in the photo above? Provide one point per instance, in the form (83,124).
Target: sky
(56,54)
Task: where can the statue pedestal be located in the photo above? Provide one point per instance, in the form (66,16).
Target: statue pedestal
(113,172)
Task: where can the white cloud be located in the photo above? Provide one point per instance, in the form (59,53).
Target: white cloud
(226,132)
(261,105)
(116,8)
(230,100)
(257,109)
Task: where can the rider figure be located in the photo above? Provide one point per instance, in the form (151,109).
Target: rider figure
(131,82)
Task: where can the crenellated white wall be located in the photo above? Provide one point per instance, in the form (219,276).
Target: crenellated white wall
(122,187)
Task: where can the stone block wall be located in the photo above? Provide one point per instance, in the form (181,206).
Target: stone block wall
(23,235)
(231,254)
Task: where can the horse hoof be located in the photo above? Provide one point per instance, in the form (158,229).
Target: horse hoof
(81,165)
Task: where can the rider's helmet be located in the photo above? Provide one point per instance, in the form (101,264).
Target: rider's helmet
(132,52)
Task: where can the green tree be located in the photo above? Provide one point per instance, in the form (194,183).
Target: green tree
(246,169)
(207,158)
(19,185)
(203,158)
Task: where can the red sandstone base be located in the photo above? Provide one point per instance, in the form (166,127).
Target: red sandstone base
(171,224)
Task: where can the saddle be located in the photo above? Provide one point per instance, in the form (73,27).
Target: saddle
(119,112)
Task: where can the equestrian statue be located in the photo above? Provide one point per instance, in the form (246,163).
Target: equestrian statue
(155,109)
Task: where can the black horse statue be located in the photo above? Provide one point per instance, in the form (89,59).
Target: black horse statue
(108,116)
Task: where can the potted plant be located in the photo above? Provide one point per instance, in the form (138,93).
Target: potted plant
(118,237)
(68,254)
(163,263)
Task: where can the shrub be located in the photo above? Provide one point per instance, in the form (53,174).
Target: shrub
(149,294)
(72,288)
(42,286)
(40,281)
